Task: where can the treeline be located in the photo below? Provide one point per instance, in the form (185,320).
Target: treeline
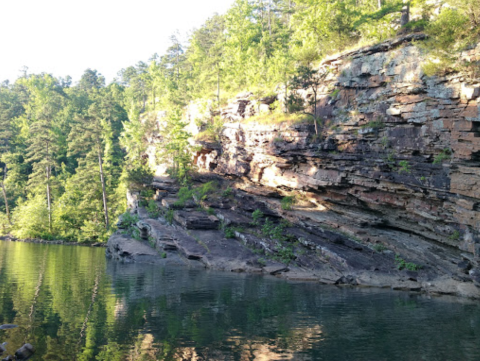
(69,152)
(61,156)
(259,44)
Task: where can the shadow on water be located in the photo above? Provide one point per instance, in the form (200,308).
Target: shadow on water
(87,308)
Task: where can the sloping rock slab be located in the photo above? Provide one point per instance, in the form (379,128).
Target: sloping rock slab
(128,250)
(226,254)
(189,246)
(254,242)
(196,220)
(341,252)
(231,218)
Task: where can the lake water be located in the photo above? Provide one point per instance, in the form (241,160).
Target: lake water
(73,304)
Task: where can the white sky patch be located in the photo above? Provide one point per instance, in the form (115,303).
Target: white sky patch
(65,37)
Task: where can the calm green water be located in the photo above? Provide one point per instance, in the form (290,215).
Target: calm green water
(72,304)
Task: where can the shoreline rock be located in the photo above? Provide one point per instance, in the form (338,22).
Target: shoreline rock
(300,253)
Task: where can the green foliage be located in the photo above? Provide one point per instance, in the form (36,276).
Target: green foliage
(452,31)
(270,230)
(229,232)
(147,193)
(184,194)
(227,192)
(30,218)
(129,225)
(199,193)
(169,216)
(257,215)
(384,142)
(402,264)
(404,167)
(285,254)
(176,150)
(211,211)
(335,93)
(262,261)
(211,131)
(445,154)
(378,247)
(202,191)
(279,118)
(81,147)
(287,202)
(128,220)
(376,124)
(152,209)
(455,235)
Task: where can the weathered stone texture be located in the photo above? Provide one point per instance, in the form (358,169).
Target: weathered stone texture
(394,143)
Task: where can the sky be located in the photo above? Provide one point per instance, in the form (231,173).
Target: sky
(66,37)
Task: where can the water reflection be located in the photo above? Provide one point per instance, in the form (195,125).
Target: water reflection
(74,305)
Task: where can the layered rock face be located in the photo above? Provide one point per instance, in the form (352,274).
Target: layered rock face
(397,157)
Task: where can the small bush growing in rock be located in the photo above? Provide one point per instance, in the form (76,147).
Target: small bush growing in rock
(379,247)
(229,232)
(445,154)
(184,194)
(257,216)
(227,192)
(455,235)
(274,232)
(402,264)
(169,216)
(285,254)
(404,167)
(152,209)
(205,189)
(288,202)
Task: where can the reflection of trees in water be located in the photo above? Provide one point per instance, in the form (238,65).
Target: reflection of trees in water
(71,309)
(41,273)
(47,291)
(209,316)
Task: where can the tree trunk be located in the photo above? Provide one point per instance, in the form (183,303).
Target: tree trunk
(379,4)
(405,13)
(269,20)
(4,191)
(154,97)
(49,199)
(104,193)
(218,87)
(315,112)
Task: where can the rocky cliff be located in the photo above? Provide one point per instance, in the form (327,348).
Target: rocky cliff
(397,150)
(386,194)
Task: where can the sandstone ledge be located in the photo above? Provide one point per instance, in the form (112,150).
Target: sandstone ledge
(307,253)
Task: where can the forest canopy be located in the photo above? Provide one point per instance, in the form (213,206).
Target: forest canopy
(68,152)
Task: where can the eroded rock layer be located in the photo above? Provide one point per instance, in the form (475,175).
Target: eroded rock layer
(385,195)
(397,150)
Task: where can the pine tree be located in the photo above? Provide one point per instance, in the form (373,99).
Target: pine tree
(45,105)
(86,141)
(10,108)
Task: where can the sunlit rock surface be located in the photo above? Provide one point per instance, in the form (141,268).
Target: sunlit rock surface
(392,175)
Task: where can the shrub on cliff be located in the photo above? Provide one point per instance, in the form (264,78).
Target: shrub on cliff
(451,32)
(138,176)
